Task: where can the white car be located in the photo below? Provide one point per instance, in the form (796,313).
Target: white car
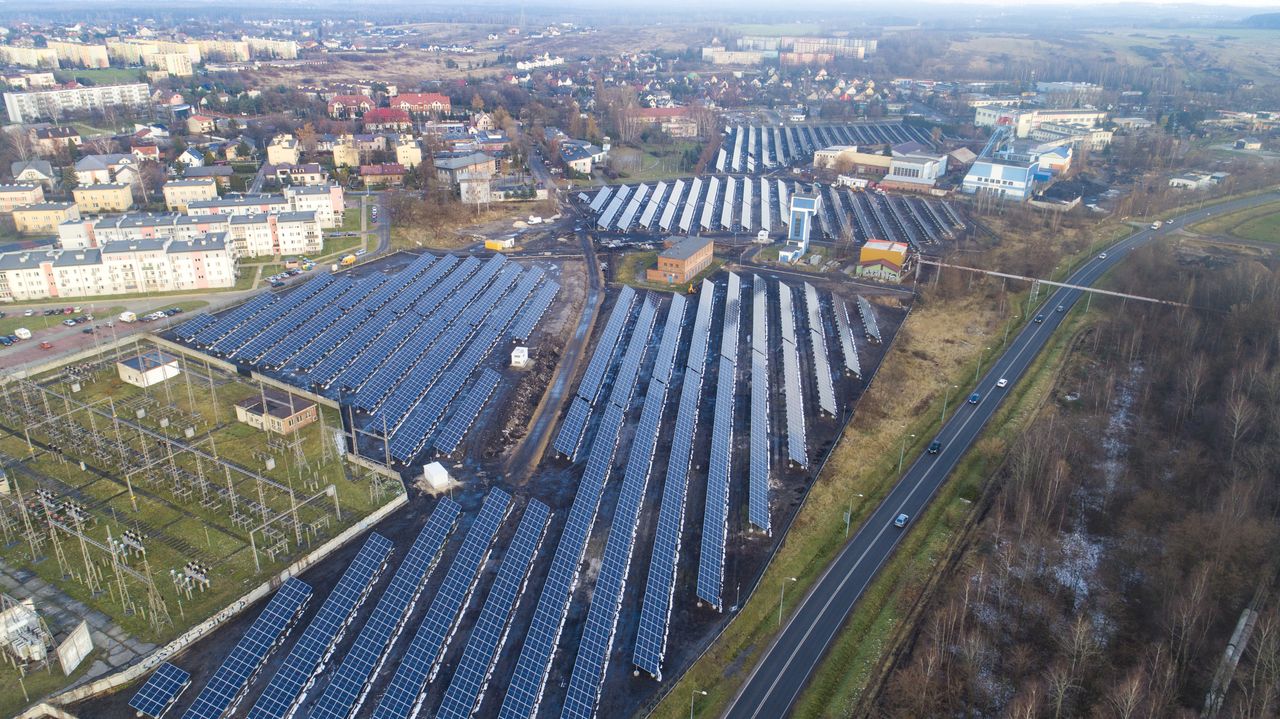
(1102,256)
(1002,382)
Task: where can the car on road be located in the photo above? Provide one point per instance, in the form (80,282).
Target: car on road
(1102,255)
(901,520)
(1062,308)
(1039,319)
(28,313)
(975,398)
(46,345)
(1002,382)
(361,252)
(935,447)
(88,330)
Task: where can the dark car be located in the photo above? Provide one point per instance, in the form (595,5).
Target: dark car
(935,447)
(975,398)
(176,310)
(88,330)
(6,341)
(277,283)
(1039,319)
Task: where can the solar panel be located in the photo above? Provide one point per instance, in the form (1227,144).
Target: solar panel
(758,489)
(611,210)
(474,400)
(709,204)
(818,345)
(673,204)
(869,323)
(726,208)
(690,205)
(624,222)
(530,675)
(288,321)
(715,518)
(231,319)
(161,691)
(606,599)
(188,329)
(651,208)
(593,377)
(248,655)
(796,448)
(847,345)
(350,684)
(748,191)
(472,674)
(523,327)
(655,614)
(254,325)
(288,688)
(601,197)
(569,440)
(420,662)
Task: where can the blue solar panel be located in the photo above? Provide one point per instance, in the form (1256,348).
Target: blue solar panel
(655,612)
(290,320)
(472,402)
(421,660)
(247,657)
(530,675)
(471,676)
(606,598)
(188,329)
(715,518)
(288,688)
(869,323)
(161,690)
(569,440)
(296,339)
(524,326)
(847,344)
(796,448)
(758,490)
(231,319)
(350,684)
(593,377)
(254,325)
(818,345)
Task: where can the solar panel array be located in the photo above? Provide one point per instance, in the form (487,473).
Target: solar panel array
(796,449)
(869,323)
(709,203)
(420,662)
(673,204)
(350,684)
(715,518)
(847,345)
(690,205)
(463,417)
(606,599)
(188,329)
(818,345)
(601,197)
(569,440)
(161,691)
(758,489)
(660,586)
(472,674)
(523,328)
(288,688)
(228,683)
(530,675)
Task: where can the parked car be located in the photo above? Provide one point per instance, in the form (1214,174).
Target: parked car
(6,341)
(277,283)
(88,330)
(68,311)
(69,323)
(901,521)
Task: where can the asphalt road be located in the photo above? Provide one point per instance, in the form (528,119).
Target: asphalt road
(781,674)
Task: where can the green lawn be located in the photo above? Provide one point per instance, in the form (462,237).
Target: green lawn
(1260,229)
(650,163)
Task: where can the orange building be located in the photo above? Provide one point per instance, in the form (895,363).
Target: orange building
(682,261)
(883,260)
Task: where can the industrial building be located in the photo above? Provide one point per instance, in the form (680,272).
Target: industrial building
(148,368)
(883,260)
(682,261)
(277,411)
(803,209)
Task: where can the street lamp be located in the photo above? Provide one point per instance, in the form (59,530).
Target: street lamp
(782,591)
(1007,325)
(978,369)
(848,515)
(692,695)
(903,450)
(946,397)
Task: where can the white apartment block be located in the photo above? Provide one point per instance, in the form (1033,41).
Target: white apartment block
(250,235)
(55,104)
(151,265)
(326,201)
(283,234)
(78,54)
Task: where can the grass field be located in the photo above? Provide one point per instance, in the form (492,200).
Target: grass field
(1260,229)
(650,163)
(1259,224)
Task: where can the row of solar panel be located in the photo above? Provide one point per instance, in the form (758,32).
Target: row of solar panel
(569,440)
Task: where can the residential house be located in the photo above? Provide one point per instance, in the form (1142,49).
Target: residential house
(450,167)
(326,201)
(580,155)
(383,175)
(387,119)
(408,152)
(201,125)
(43,217)
(307,174)
(190,157)
(38,172)
(420,103)
(284,150)
(349,107)
(101,169)
(53,140)
(345,153)
(104,197)
(220,173)
(146,152)
(179,193)
(17,195)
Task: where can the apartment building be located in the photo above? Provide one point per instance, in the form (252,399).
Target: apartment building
(179,193)
(43,217)
(29,57)
(284,150)
(95,232)
(78,54)
(228,50)
(56,104)
(326,201)
(105,197)
(271,48)
(286,233)
(156,265)
(17,195)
